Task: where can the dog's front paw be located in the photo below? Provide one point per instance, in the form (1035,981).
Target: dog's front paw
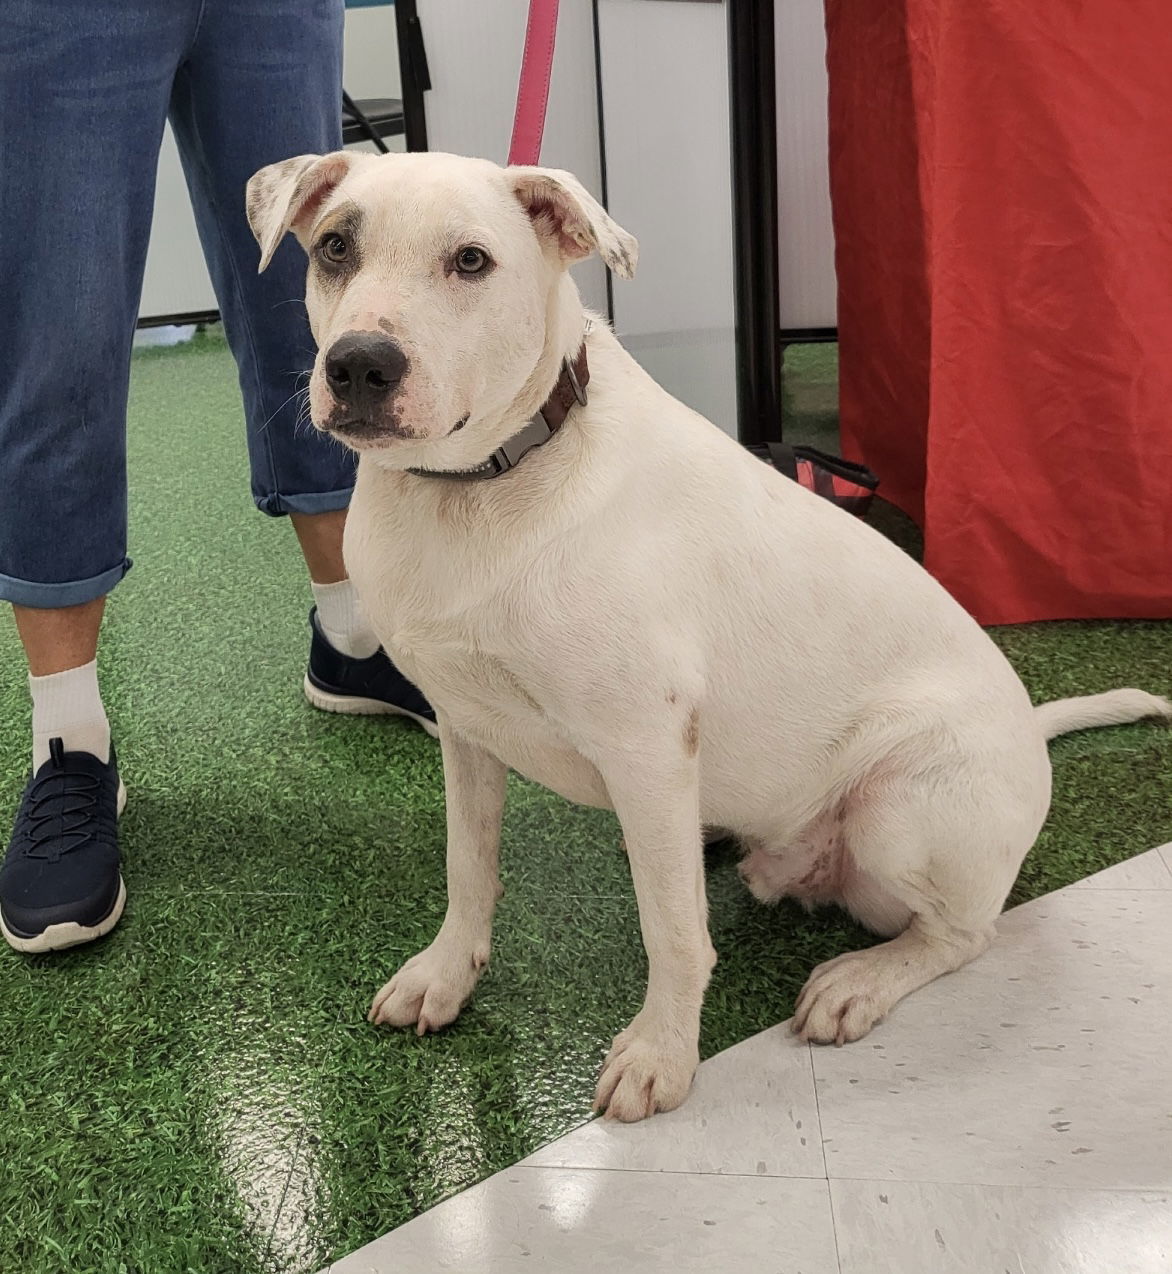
(429,991)
(646,1071)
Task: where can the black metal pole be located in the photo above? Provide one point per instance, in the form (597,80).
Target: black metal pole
(413,73)
(605,191)
(753,118)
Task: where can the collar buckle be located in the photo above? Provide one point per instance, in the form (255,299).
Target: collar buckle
(575,384)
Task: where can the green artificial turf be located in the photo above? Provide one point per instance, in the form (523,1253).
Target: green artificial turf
(200,1091)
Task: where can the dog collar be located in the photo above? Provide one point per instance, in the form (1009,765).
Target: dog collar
(570,389)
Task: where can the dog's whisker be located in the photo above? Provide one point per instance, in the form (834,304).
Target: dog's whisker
(295,394)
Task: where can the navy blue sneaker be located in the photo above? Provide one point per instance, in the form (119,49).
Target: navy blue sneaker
(361,687)
(60,883)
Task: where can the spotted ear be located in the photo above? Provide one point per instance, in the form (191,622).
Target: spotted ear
(285,196)
(564,213)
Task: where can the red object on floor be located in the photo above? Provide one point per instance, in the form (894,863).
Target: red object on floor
(1001,176)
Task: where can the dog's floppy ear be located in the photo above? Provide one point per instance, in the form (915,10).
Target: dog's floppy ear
(564,211)
(285,196)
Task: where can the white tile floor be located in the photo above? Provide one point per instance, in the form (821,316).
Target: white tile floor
(1016,1117)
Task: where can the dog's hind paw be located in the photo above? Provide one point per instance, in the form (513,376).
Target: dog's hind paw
(841,1001)
(429,991)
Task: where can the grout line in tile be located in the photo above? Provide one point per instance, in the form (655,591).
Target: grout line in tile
(1114,889)
(818,1109)
(659,1172)
(1086,883)
(777,1176)
(834,1225)
(1163,855)
(1000,1185)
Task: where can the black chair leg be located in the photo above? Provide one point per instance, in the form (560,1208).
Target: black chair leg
(355,113)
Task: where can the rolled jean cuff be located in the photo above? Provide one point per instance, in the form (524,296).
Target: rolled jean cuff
(56,596)
(277,505)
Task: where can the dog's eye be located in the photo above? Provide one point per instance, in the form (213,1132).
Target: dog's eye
(471,260)
(334,248)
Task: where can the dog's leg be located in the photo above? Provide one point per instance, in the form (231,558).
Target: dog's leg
(845,997)
(935,860)
(432,987)
(651,1063)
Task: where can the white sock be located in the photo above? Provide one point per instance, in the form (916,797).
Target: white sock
(342,619)
(68,706)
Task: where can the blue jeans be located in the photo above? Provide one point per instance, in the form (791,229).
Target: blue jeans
(85,88)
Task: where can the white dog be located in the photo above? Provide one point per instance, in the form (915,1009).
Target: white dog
(642,616)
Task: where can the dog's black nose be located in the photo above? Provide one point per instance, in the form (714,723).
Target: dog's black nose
(364,368)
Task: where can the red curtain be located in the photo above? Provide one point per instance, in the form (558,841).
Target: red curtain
(1001,173)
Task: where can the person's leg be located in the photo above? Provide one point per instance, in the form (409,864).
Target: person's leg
(264,83)
(320,537)
(339,613)
(56,640)
(233,112)
(83,92)
(62,651)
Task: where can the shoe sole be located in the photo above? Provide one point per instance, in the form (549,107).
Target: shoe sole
(70,934)
(353,706)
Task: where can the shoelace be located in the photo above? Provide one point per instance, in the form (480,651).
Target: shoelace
(62,810)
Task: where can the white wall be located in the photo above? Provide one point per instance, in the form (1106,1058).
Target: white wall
(806,247)
(474,56)
(370,66)
(668,163)
(176,279)
(666,116)
(666,112)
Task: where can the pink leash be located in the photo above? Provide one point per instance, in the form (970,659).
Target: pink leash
(533,88)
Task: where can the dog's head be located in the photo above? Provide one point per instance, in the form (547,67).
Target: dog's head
(433,282)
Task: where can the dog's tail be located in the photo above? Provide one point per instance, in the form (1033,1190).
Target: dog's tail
(1116,707)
